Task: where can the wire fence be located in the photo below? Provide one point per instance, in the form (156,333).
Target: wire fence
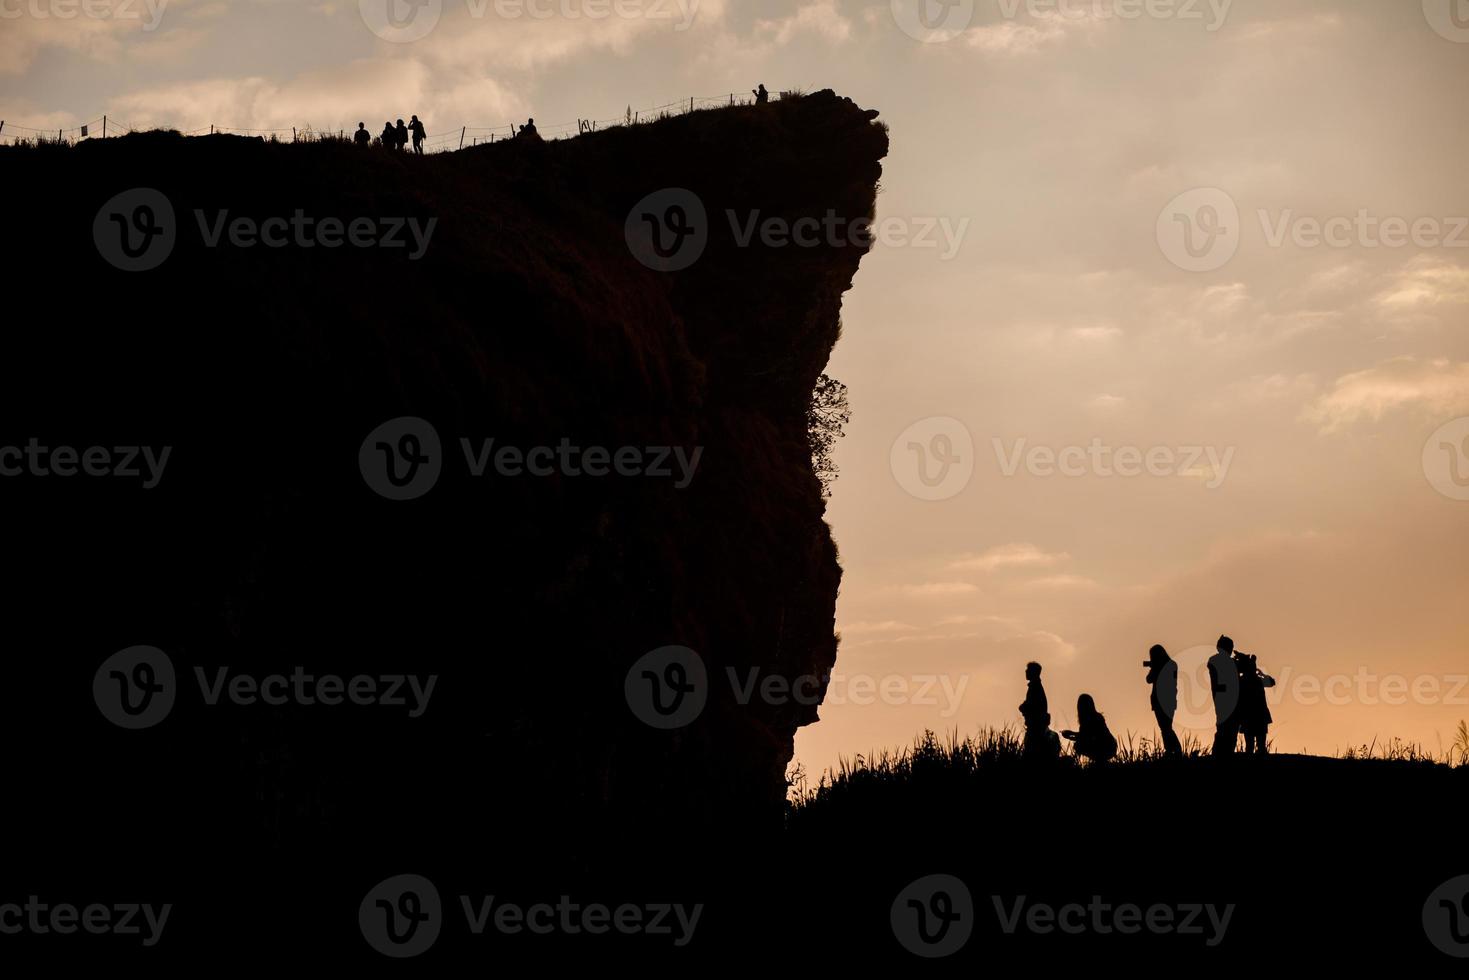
(108,126)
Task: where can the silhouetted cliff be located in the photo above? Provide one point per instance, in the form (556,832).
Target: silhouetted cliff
(263,547)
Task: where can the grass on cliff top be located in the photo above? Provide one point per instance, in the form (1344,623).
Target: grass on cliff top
(995,751)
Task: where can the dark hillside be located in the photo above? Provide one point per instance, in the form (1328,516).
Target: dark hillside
(527,319)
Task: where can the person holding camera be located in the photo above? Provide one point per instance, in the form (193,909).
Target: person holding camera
(1163,678)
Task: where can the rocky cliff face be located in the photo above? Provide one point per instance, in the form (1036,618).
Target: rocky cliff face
(521,308)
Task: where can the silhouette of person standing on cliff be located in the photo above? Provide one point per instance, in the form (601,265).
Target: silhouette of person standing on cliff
(1040,741)
(401,135)
(362,137)
(761,96)
(419,135)
(1254,712)
(1163,677)
(389,136)
(529,131)
(1093,739)
(1224,686)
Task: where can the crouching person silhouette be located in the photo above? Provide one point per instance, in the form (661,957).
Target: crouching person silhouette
(1040,741)
(1093,740)
(1254,712)
(1163,676)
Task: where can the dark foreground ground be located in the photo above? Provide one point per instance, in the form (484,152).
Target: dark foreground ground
(1283,864)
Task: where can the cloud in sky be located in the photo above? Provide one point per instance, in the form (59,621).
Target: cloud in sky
(1008,556)
(1436,387)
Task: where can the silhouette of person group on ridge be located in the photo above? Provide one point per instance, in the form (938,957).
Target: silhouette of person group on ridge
(394,137)
(1237,687)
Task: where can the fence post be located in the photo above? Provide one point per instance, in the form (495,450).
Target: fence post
(691,103)
(293,134)
(461,136)
(104,127)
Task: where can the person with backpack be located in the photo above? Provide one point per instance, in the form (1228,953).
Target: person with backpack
(1093,740)
(400,136)
(1040,742)
(416,128)
(389,136)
